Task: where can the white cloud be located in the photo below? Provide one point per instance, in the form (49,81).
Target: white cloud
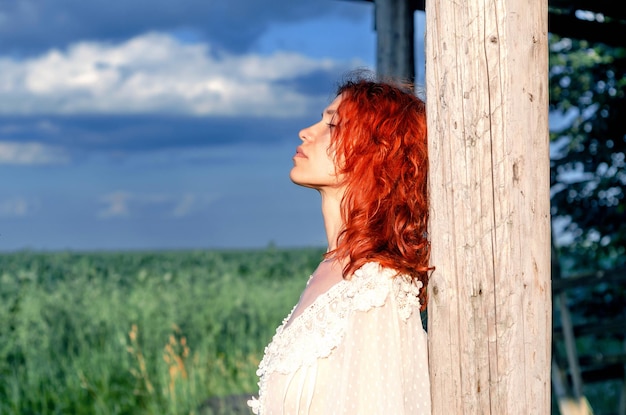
(116,205)
(17,206)
(29,153)
(122,204)
(184,206)
(190,203)
(156,73)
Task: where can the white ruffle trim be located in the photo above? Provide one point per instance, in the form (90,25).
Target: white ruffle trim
(326,320)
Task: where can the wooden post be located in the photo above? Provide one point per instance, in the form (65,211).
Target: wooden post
(395,45)
(490,310)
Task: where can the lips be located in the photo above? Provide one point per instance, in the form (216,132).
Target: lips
(300,153)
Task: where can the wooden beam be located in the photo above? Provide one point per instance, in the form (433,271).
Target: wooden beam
(569,341)
(621,406)
(610,33)
(600,359)
(611,328)
(608,8)
(603,373)
(612,276)
(563,21)
(395,46)
(490,306)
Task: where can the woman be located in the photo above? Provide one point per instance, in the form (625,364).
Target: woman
(354,343)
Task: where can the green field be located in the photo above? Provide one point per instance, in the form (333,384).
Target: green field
(155,332)
(139,333)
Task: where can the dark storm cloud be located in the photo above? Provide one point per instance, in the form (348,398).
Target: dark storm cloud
(132,134)
(31,26)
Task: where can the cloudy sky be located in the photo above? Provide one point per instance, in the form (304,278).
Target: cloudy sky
(158,124)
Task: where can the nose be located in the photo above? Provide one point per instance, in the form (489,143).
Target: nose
(304,134)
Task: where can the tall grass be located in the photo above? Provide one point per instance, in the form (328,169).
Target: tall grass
(139,333)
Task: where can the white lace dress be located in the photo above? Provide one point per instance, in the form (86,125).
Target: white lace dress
(359,348)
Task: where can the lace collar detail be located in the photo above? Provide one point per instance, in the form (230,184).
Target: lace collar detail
(321,326)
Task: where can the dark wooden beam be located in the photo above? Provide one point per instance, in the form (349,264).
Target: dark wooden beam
(603,359)
(563,21)
(413,4)
(395,45)
(611,9)
(614,328)
(613,276)
(610,33)
(603,373)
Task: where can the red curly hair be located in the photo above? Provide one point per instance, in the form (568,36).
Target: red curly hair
(381,152)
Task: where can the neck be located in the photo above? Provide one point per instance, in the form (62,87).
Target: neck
(331,211)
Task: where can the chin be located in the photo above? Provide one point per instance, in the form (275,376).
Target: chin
(293,176)
(296,176)
(300,181)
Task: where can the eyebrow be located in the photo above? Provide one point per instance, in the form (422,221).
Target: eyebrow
(329,112)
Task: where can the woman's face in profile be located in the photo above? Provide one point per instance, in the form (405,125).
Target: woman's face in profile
(314,164)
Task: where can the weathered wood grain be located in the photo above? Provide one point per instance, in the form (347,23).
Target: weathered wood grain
(490,299)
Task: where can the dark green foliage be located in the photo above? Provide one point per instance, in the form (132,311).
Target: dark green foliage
(588,203)
(588,88)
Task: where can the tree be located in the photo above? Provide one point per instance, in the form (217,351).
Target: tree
(588,207)
(588,93)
